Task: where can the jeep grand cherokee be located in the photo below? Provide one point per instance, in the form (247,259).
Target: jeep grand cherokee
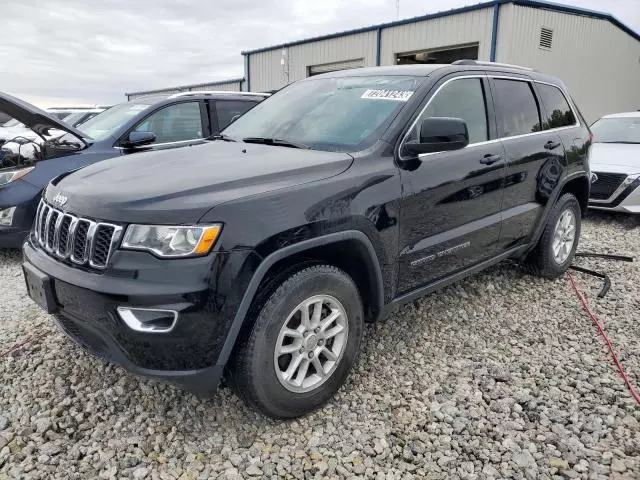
(261,255)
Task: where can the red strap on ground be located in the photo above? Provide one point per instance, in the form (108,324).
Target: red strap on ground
(585,305)
(30,339)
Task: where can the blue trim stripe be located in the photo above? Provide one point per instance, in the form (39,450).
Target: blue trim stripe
(247,72)
(378,46)
(494,32)
(526,3)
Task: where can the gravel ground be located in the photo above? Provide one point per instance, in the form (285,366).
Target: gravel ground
(501,375)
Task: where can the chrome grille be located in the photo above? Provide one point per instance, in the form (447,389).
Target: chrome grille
(80,240)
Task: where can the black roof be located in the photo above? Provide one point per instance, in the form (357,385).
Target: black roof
(445,68)
(493,3)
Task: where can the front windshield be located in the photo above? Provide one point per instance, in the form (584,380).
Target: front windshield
(334,114)
(74,118)
(78,118)
(108,122)
(616,130)
(59,115)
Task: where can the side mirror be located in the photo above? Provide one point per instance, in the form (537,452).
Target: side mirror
(139,139)
(439,134)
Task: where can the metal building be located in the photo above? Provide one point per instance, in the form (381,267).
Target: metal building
(597,56)
(233,85)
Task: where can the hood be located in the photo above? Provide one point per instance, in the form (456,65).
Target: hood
(8,133)
(615,157)
(37,120)
(180,185)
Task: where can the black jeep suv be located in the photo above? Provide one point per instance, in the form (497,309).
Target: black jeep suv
(262,254)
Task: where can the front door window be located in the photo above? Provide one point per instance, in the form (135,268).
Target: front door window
(175,123)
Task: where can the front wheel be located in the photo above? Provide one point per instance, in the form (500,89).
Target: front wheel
(303,343)
(557,246)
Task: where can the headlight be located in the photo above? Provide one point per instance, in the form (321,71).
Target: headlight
(9,176)
(6,216)
(172,241)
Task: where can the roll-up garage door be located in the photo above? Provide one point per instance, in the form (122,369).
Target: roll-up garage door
(334,67)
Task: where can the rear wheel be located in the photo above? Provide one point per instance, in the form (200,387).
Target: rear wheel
(557,246)
(302,345)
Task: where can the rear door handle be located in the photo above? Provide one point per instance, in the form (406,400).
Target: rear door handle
(490,159)
(550,145)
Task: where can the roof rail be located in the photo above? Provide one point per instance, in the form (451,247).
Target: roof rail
(216,92)
(496,64)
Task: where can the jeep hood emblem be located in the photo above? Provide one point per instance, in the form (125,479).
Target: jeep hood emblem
(60,199)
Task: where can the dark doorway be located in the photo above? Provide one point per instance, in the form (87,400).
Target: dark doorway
(439,55)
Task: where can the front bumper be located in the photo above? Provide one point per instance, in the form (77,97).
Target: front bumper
(204,291)
(625,199)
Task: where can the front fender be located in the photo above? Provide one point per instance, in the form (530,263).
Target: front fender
(283,253)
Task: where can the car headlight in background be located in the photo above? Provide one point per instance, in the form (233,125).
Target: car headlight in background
(6,216)
(8,176)
(172,241)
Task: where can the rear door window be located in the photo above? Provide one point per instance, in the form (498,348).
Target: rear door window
(557,110)
(227,110)
(175,123)
(517,108)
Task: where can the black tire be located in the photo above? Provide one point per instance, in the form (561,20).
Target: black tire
(541,260)
(252,371)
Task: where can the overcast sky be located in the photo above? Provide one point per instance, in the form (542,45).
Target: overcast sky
(77,51)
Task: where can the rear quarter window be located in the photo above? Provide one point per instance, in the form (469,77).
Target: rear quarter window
(557,112)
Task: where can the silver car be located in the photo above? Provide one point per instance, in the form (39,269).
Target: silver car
(615,163)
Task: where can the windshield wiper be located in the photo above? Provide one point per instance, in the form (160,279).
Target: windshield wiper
(621,141)
(275,141)
(222,136)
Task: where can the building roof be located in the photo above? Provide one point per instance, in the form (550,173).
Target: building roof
(186,87)
(470,8)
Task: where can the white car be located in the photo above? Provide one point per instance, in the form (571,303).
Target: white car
(615,163)
(73,116)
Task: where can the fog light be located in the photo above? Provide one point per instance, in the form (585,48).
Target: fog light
(148,320)
(6,216)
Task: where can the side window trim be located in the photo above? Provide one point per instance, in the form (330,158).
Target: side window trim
(490,103)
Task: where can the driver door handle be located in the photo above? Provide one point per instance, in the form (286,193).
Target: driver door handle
(551,144)
(490,159)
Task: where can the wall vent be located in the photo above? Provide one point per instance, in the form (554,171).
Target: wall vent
(546,38)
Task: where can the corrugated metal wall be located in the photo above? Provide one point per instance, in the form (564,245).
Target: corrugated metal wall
(459,29)
(267,73)
(599,63)
(231,86)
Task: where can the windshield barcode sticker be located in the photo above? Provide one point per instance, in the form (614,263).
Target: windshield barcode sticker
(396,95)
